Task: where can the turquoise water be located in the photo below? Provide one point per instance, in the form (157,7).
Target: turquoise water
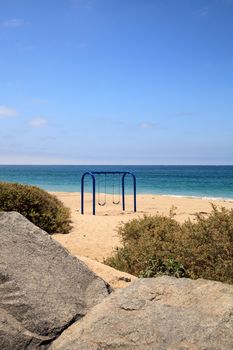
(201,181)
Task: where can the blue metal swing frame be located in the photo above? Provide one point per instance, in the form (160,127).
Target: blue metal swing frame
(93,173)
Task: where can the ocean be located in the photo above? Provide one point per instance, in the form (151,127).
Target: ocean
(197,181)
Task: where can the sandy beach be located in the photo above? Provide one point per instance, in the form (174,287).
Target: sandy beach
(95,237)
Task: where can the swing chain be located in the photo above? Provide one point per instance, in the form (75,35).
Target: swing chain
(116,201)
(103,202)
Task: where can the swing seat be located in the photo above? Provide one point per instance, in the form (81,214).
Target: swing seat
(116,203)
(102,204)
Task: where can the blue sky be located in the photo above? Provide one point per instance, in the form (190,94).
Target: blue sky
(116,82)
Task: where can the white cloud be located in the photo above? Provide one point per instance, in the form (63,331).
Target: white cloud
(86,4)
(38,122)
(38,101)
(147,125)
(7,112)
(184,114)
(13,23)
(203,12)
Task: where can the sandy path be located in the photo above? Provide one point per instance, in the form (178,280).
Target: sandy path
(96,236)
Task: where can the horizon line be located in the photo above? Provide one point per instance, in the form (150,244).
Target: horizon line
(16,164)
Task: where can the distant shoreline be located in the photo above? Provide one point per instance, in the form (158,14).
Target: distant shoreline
(222,199)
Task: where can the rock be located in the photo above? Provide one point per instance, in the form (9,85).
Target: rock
(115,278)
(163,313)
(43,289)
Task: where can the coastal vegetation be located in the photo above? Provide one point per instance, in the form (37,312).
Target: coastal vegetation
(40,207)
(157,245)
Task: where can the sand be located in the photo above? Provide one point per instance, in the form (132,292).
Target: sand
(95,237)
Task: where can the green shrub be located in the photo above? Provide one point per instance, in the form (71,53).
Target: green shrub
(41,208)
(156,245)
(208,246)
(144,239)
(157,267)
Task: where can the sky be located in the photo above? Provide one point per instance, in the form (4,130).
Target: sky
(116,82)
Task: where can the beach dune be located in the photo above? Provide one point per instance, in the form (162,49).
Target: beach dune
(96,236)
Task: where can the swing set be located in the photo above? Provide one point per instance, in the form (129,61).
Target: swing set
(118,185)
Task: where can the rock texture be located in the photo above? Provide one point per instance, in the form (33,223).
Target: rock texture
(43,289)
(115,278)
(164,313)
